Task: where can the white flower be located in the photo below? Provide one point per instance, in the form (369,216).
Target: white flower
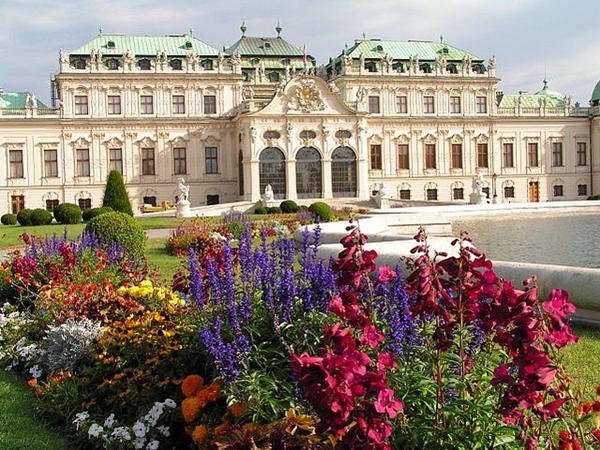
(170,403)
(110,420)
(139,429)
(152,445)
(95,430)
(121,433)
(35,371)
(80,417)
(165,431)
(139,443)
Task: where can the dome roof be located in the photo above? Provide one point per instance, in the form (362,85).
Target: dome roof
(596,93)
(549,93)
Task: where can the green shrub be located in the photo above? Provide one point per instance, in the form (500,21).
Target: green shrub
(594,197)
(274,210)
(260,210)
(115,193)
(24,217)
(323,210)
(67,213)
(289,206)
(8,219)
(122,228)
(90,213)
(40,216)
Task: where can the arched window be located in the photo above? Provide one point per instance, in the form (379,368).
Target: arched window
(271,169)
(144,64)
(308,173)
(343,172)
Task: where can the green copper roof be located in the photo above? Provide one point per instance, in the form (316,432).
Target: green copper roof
(16,100)
(404,50)
(264,46)
(172,45)
(553,99)
(596,93)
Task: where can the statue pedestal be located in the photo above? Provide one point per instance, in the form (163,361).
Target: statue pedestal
(183,209)
(267,203)
(477,199)
(382,202)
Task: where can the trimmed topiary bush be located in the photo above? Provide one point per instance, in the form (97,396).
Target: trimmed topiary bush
(24,217)
(8,219)
(121,228)
(115,194)
(67,213)
(323,210)
(40,216)
(289,206)
(260,210)
(274,210)
(90,213)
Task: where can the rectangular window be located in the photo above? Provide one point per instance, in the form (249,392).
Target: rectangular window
(151,200)
(428,104)
(148,167)
(404,194)
(430,157)
(374,104)
(401,104)
(582,189)
(376,163)
(83,162)
(454,105)
(16,163)
(211,160)
(456,156)
(81,105)
(210,104)
(557,154)
(482,155)
(458,194)
(507,155)
(403,161)
(178,104)
(509,192)
(146,104)
(532,154)
(116,159)
(84,203)
(581,154)
(557,190)
(481,105)
(51,204)
(50,163)
(114,104)
(432,194)
(179,161)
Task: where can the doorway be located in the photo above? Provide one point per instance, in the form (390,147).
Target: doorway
(534,191)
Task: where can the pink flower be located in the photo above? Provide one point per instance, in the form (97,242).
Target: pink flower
(386,403)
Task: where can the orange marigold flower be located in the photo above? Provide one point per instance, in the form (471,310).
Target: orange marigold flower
(238,408)
(200,434)
(32,382)
(190,408)
(191,385)
(596,406)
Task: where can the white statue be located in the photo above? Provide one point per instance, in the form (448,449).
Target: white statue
(382,190)
(478,184)
(268,193)
(184,190)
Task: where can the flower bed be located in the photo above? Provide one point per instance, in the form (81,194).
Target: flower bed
(264,345)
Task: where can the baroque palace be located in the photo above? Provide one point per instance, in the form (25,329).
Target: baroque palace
(422,119)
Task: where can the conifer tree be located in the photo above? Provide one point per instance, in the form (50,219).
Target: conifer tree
(115,193)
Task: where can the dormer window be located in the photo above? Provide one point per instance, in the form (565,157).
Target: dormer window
(188,44)
(110,44)
(112,64)
(478,68)
(144,64)
(255,61)
(207,64)
(80,64)
(176,64)
(379,48)
(371,66)
(267,45)
(451,68)
(425,68)
(273,77)
(398,67)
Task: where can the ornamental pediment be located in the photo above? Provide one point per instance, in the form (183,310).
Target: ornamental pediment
(402,139)
(81,143)
(306,97)
(114,143)
(146,142)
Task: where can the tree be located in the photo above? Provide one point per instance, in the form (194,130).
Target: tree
(115,194)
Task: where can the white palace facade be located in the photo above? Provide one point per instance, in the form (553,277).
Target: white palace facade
(423,119)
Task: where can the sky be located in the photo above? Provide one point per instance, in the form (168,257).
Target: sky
(530,39)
